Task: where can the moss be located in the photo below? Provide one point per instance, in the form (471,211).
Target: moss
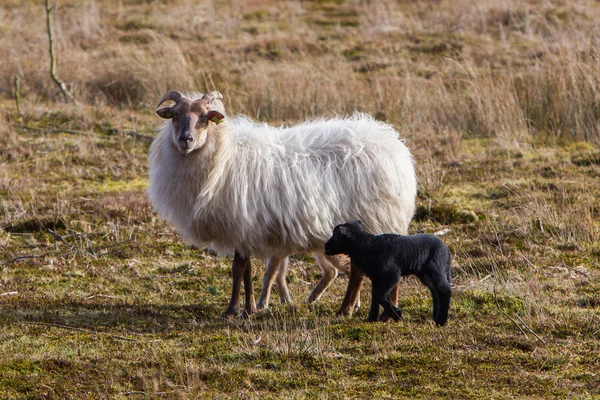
(138,184)
(444,214)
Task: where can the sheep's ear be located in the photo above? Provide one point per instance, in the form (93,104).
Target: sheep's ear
(215,116)
(165,112)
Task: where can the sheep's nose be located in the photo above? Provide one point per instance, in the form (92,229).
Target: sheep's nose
(186,139)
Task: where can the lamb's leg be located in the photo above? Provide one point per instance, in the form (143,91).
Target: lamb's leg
(276,266)
(374,310)
(444,293)
(393,299)
(390,311)
(329,272)
(352,291)
(284,294)
(250,307)
(441,291)
(238,271)
(380,296)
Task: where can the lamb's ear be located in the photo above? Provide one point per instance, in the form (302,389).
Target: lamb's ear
(165,112)
(344,231)
(215,116)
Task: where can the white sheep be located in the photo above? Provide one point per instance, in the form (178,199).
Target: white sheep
(251,189)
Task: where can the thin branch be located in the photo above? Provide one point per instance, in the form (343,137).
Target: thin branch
(72,328)
(112,246)
(61,85)
(19,258)
(508,316)
(18,95)
(57,236)
(140,136)
(530,330)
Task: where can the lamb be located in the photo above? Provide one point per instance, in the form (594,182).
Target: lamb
(250,189)
(385,258)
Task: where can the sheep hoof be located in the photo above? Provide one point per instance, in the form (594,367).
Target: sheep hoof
(230,314)
(312,299)
(343,312)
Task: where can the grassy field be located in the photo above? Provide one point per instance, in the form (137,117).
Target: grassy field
(498,101)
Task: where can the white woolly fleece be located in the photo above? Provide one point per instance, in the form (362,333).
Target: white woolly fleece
(278,191)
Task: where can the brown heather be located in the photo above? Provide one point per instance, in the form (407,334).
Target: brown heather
(498,100)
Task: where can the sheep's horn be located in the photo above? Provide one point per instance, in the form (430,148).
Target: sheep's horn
(211,96)
(170,95)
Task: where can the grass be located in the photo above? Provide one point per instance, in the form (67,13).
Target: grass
(498,103)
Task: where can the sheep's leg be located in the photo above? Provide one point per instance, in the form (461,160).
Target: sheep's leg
(329,271)
(275,267)
(352,291)
(238,270)
(393,296)
(250,307)
(284,294)
(343,264)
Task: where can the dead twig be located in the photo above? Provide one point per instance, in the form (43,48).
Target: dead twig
(531,330)
(73,328)
(61,85)
(139,136)
(17,94)
(112,246)
(508,316)
(57,236)
(19,258)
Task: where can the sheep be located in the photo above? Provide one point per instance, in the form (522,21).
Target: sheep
(247,188)
(385,258)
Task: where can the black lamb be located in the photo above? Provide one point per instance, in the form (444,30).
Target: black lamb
(385,258)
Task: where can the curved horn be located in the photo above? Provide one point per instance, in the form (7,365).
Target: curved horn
(170,95)
(211,96)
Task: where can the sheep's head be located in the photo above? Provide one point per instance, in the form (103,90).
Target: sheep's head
(191,118)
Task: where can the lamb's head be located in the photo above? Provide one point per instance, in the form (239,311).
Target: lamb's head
(190,118)
(342,240)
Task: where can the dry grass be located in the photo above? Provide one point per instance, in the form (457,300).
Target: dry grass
(498,102)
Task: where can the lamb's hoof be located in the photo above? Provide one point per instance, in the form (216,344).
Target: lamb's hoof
(383,318)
